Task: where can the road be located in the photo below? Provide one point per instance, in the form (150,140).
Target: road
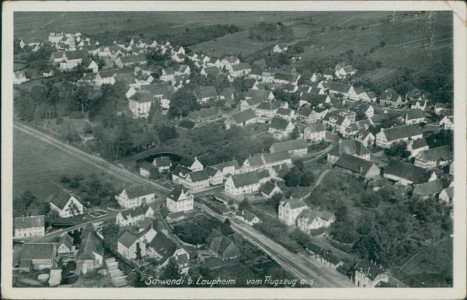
(300,265)
(98,162)
(318,182)
(319,154)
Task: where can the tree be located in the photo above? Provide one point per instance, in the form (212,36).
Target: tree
(138,251)
(306,178)
(110,231)
(295,134)
(398,150)
(171,271)
(182,102)
(166,133)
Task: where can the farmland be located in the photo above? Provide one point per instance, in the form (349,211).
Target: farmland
(38,166)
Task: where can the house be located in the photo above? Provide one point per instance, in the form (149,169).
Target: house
(389,136)
(163,163)
(178,57)
(216,177)
(229,61)
(136,195)
(314,133)
(72,59)
(365,137)
(180,199)
(145,169)
(251,103)
(428,189)
(406,174)
(358,166)
(416,146)
(391,98)
(265,110)
(294,147)
(240,70)
(90,254)
(128,245)
(414,116)
(280,128)
(105,77)
(161,247)
(196,180)
(222,246)
(240,184)
(30,226)
(192,163)
(286,113)
(285,78)
(310,219)
(65,245)
(279,48)
(434,157)
(130,216)
(66,205)
(206,93)
(266,161)
(131,60)
(447,194)
(227,168)
(228,95)
(38,256)
(168,74)
(19,77)
(262,95)
(140,104)
(290,209)
(350,147)
(269,189)
(248,217)
(447,122)
(337,88)
(344,71)
(241,119)
(93,67)
(368,275)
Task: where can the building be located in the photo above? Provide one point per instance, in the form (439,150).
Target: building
(351,147)
(38,256)
(216,177)
(280,128)
(90,254)
(391,98)
(365,137)
(222,246)
(241,119)
(240,70)
(136,195)
(163,163)
(428,189)
(269,189)
(416,146)
(266,161)
(206,93)
(140,104)
(434,157)
(294,147)
(128,245)
(248,217)
(265,110)
(180,199)
(314,133)
(447,122)
(130,216)
(368,275)
(310,219)
(244,183)
(19,77)
(289,210)
(131,60)
(65,245)
(447,195)
(93,67)
(228,168)
(358,166)
(389,136)
(29,226)
(406,174)
(414,116)
(66,205)
(195,180)
(344,71)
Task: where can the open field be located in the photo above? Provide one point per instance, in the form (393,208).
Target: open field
(38,166)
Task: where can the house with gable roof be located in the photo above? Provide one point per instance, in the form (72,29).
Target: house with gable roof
(294,147)
(343,71)
(269,189)
(228,168)
(206,93)
(280,128)
(356,165)
(351,147)
(447,195)
(248,217)
(407,174)
(245,183)
(135,195)
(428,189)
(196,180)
(128,244)
(130,60)
(216,177)
(289,210)
(222,246)
(19,77)
(91,252)
(368,275)
(93,66)
(180,199)
(310,219)
(265,110)
(29,226)
(365,137)
(416,146)
(240,70)
(414,116)
(447,122)
(434,157)
(168,74)
(241,119)
(314,133)
(163,163)
(38,256)
(66,205)
(389,136)
(130,216)
(65,247)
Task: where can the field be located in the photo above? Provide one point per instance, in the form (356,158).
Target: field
(38,166)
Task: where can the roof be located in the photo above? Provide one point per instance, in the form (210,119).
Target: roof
(66,240)
(289,145)
(176,192)
(228,93)
(442,153)
(60,199)
(276,156)
(241,66)
(337,87)
(279,123)
(248,215)
(354,164)
(162,161)
(78,54)
(28,222)
(138,190)
(58,54)
(400,132)
(315,127)
(245,179)
(268,187)
(266,105)
(133,59)
(89,244)
(232,163)
(243,116)
(351,147)
(407,171)
(262,94)
(419,143)
(199,176)
(428,188)
(163,245)
(449,191)
(284,111)
(127,239)
(207,92)
(415,114)
(294,203)
(369,269)
(133,212)
(211,171)
(203,113)
(143,97)
(37,251)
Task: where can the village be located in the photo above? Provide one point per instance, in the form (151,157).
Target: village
(189,217)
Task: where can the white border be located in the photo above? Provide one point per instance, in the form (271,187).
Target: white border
(459,19)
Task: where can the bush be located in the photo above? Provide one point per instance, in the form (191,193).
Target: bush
(186,124)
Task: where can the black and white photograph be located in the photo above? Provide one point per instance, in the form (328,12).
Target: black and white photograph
(268,149)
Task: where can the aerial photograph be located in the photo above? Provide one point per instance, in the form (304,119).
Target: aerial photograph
(239,149)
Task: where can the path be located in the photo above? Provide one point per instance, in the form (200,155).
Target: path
(318,182)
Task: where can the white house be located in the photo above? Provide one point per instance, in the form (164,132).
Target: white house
(314,133)
(66,205)
(130,216)
(280,128)
(368,275)
(389,136)
(136,195)
(295,147)
(434,157)
(289,210)
(180,200)
(447,122)
(29,226)
(19,77)
(310,219)
(240,184)
(93,66)
(128,245)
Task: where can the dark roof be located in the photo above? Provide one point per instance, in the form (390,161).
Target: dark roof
(60,199)
(266,105)
(37,251)
(28,222)
(176,192)
(89,244)
(442,153)
(316,127)
(162,161)
(133,59)
(133,212)
(138,190)
(211,171)
(199,176)
(419,143)
(241,66)
(248,215)
(369,269)
(354,164)
(351,147)
(243,116)
(276,156)
(245,179)
(294,203)
(407,171)
(338,87)
(415,114)
(163,245)
(289,145)
(428,188)
(268,187)
(127,239)
(156,89)
(78,54)
(262,94)
(228,93)
(207,92)
(279,123)
(284,111)
(232,163)
(66,240)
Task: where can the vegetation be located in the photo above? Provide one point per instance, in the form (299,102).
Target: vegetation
(197,230)
(269,32)
(28,203)
(298,175)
